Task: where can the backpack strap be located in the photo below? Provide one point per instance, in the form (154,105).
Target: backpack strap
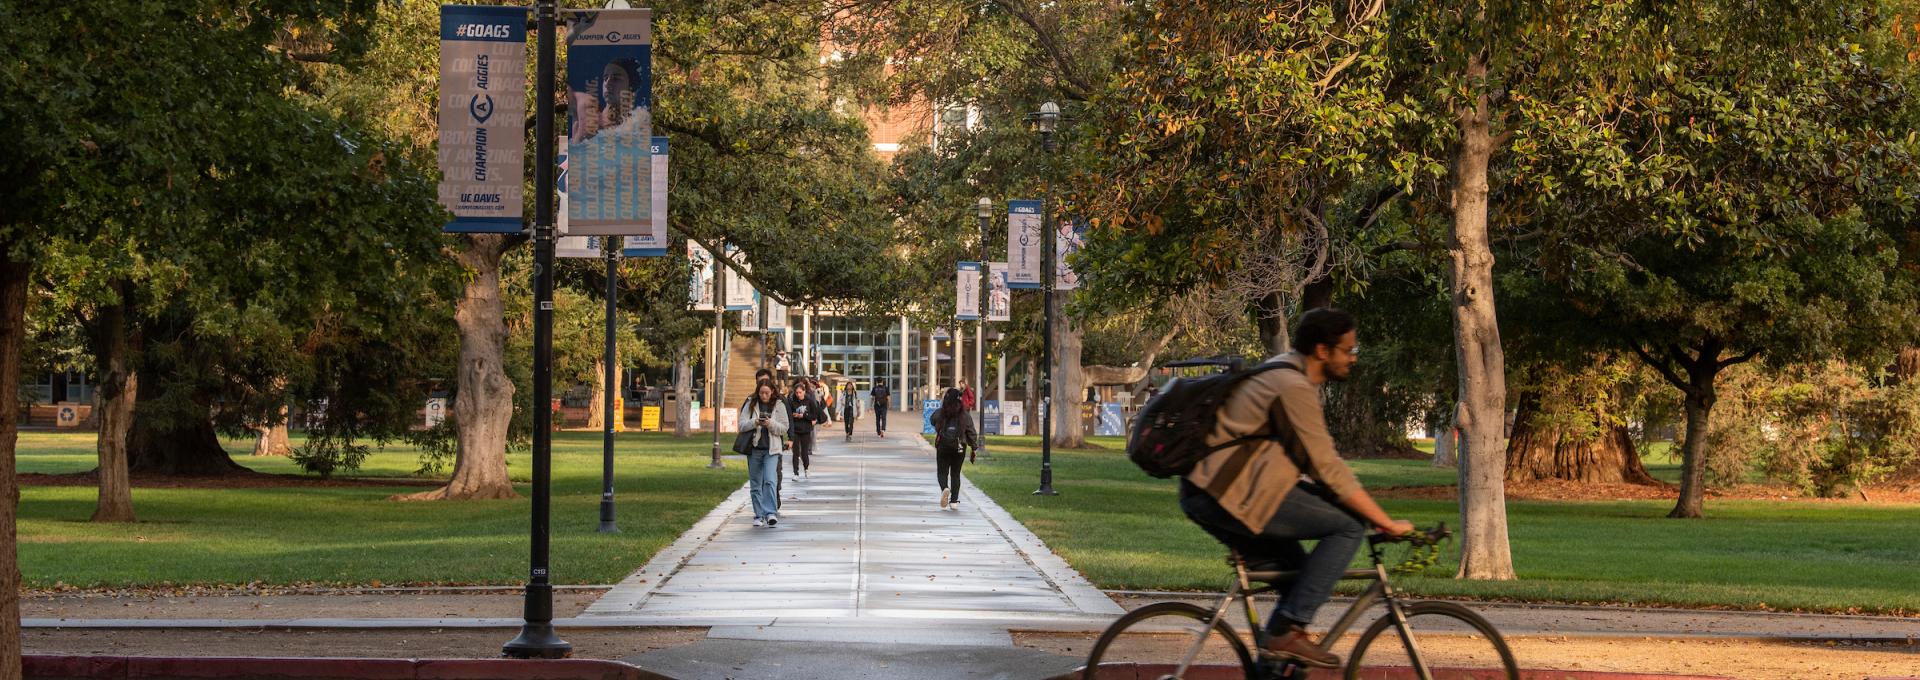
(1278,431)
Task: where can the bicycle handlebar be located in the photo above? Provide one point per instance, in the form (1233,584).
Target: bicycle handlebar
(1417,537)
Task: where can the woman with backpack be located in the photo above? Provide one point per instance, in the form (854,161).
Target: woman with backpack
(953,431)
(849,408)
(804,411)
(766,417)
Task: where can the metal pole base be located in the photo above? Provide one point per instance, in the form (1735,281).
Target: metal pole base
(1046,483)
(606,517)
(537,641)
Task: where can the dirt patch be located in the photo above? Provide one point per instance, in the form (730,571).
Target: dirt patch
(1562,490)
(1730,658)
(236,480)
(443,643)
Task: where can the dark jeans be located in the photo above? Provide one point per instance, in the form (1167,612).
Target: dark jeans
(879,417)
(946,466)
(1309,512)
(802,451)
(848,419)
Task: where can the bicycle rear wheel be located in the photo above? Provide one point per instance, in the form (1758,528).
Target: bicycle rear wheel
(1158,640)
(1450,641)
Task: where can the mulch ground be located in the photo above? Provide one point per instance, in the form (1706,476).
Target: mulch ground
(1560,490)
(236,480)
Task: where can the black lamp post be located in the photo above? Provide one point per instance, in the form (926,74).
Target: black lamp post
(537,638)
(613,372)
(985,213)
(1046,120)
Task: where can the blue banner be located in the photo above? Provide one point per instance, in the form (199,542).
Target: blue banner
(990,410)
(638,246)
(483,112)
(926,415)
(1023,244)
(610,104)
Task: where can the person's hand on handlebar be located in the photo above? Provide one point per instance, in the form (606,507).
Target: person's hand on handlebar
(1398,527)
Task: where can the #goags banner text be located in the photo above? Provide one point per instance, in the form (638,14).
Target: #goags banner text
(1023,244)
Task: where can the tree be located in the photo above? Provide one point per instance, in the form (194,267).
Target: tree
(1742,224)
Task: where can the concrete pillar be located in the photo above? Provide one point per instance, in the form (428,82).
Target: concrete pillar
(933,368)
(804,362)
(906,367)
(959,349)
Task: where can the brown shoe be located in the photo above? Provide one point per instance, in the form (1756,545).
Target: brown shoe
(1296,644)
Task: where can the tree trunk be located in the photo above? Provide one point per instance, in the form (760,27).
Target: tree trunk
(1693,463)
(682,392)
(483,397)
(189,449)
(597,402)
(1907,364)
(1481,362)
(1537,451)
(1033,395)
(113,343)
(1446,447)
(1069,432)
(13,334)
(1272,323)
(272,439)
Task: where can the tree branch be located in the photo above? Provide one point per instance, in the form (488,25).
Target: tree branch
(1075,85)
(1744,358)
(1659,365)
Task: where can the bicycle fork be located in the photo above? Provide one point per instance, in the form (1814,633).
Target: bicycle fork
(1400,623)
(1200,641)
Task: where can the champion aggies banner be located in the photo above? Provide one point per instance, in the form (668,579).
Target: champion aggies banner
(1069,237)
(610,102)
(576,247)
(644,245)
(1023,244)
(967,290)
(999,298)
(700,285)
(483,117)
(740,293)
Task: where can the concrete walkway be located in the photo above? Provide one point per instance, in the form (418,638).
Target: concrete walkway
(862,554)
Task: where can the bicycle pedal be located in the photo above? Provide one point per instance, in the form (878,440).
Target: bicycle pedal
(1273,667)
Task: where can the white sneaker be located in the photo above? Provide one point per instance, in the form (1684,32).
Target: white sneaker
(773,520)
(943,499)
(759,522)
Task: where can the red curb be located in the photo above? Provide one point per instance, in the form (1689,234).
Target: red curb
(1139,671)
(48,667)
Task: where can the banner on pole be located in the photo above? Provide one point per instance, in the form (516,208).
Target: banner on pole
(700,280)
(1023,244)
(1012,418)
(581,247)
(642,245)
(967,288)
(610,101)
(750,317)
(1069,237)
(483,117)
(576,247)
(740,293)
(776,314)
(999,297)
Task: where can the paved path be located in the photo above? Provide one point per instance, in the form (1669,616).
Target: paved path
(862,554)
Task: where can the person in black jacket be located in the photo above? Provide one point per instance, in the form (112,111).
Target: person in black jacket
(882,401)
(849,408)
(953,431)
(805,411)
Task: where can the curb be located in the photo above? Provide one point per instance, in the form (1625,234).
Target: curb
(1140,671)
(156,668)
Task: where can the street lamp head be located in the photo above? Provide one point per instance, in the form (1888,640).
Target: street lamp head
(1049,117)
(986,208)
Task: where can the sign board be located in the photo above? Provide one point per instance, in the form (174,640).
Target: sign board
(483,116)
(66,415)
(693,416)
(700,281)
(619,413)
(646,245)
(967,291)
(610,135)
(580,247)
(1113,421)
(777,316)
(740,294)
(729,420)
(436,412)
(1013,418)
(1023,244)
(927,408)
(999,296)
(990,412)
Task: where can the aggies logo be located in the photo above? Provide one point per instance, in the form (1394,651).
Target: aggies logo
(483,31)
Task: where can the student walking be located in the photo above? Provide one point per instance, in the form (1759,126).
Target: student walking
(953,431)
(804,411)
(849,409)
(882,401)
(767,416)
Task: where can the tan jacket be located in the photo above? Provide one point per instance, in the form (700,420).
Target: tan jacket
(1252,491)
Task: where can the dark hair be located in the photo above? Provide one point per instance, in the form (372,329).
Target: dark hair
(950,404)
(770,388)
(1321,326)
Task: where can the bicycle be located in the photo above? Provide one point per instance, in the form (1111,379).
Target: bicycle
(1203,624)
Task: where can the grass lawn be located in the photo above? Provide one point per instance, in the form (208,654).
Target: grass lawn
(353,535)
(1124,530)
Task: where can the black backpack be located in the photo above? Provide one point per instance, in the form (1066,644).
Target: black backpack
(1170,433)
(948,436)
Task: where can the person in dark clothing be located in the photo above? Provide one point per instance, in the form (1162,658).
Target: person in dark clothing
(849,409)
(882,401)
(804,412)
(953,432)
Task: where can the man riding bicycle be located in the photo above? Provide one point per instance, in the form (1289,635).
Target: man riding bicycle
(1252,496)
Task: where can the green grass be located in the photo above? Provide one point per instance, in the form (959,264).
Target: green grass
(354,535)
(1123,529)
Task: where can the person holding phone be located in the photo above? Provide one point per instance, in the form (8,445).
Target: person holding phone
(766,414)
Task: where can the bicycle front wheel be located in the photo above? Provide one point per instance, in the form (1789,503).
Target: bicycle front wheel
(1443,639)
(1164,640)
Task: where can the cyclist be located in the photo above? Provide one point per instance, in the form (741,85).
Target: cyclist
(1253,497)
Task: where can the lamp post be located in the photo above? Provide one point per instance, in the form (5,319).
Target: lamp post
(537,638)
(613,387)
(1046,120)
(985,213)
